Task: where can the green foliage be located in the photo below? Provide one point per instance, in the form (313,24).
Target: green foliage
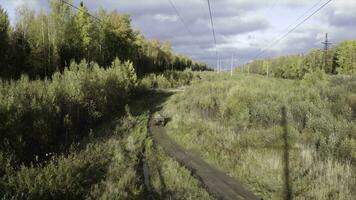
(103,169)
(314,77)
(339,60)
(38,117)
(4,38)
(168,79)
(346,57)
(84,26)
(41,44)
(235,123)
(168,179)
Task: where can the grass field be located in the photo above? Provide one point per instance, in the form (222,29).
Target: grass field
(235,123)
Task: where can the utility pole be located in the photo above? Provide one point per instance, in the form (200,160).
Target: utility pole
(232,64)
(218,64)
(326,49)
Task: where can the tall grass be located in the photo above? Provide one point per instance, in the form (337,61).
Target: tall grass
(52,148)
(168,79)
(108,167)
(169,180)
(235,123)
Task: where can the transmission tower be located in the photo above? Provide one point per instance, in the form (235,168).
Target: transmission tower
(326,49)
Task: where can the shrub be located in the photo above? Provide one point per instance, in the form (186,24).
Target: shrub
(314,77)
(103,169)
(235,123)
(38,117)
(168,79)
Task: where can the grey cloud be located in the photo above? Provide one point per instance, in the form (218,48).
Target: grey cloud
(342,19)
(236,26)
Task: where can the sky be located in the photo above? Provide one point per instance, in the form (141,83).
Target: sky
(244,28)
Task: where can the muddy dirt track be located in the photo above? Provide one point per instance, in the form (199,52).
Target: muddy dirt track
(217,183)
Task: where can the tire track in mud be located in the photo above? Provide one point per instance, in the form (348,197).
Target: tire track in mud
(218,183)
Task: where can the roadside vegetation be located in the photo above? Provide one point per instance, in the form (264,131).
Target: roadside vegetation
(42,117)
(339,60)
(236,124)
(107,166)
(169,180)
(168,79)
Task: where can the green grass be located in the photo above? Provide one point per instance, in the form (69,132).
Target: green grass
(169,180)
(168,79)
(107,166)
(235,124)
(104,168)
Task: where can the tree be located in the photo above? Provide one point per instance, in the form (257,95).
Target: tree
(83,24)
(4,41)
(60,17)
(167,54)
(346,57)
(71,49)
(44,49)
(119,37)
(41,43)
(22,38)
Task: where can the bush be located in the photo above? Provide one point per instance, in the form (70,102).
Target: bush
(314,77)
(168,79)
(103,169)
(235,123)
(38,117)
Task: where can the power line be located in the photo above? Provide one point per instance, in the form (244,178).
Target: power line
(77,8)
(180,17)
(213,29)
(196,42)
(306,12)
(274,3)
(293,29)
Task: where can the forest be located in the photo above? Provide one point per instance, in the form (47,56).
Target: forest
(42,43)
(340,59)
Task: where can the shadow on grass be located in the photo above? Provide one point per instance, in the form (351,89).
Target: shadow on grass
(149,101)
(286,147)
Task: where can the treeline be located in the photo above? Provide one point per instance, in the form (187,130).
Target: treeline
(338,60)
(40,44)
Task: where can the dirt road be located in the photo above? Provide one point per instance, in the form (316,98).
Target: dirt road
(218,183)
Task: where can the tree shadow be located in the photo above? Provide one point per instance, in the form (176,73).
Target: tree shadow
(286,148)
(149,101)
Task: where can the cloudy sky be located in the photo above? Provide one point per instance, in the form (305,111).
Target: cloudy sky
(243,27)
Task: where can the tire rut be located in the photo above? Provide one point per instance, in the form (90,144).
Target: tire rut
(218,183)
